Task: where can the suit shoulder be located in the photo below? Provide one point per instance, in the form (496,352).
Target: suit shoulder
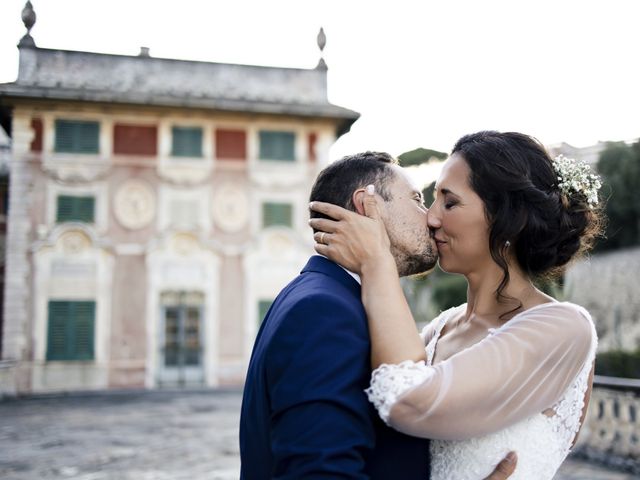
(319,293)
(318,285)
(315,305)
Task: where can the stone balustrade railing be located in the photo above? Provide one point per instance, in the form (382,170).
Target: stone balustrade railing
(611,431)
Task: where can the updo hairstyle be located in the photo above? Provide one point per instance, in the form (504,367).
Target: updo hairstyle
(527,213)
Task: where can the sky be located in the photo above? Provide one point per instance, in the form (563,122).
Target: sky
(420,73)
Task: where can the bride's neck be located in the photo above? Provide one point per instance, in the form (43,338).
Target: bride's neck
(481,294)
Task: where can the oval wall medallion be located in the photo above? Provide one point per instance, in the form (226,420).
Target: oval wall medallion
(134,204)
(230,208)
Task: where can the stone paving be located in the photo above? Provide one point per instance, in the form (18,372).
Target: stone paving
(158,435)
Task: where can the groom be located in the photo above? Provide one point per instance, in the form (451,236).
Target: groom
(304,411)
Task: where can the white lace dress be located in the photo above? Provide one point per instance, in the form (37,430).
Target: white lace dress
(487,400)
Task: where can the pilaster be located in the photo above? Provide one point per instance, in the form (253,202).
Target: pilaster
(18,271)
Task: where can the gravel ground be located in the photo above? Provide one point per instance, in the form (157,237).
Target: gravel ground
(156,435)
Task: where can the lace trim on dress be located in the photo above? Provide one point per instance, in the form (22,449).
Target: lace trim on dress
(568,410)
(388,382)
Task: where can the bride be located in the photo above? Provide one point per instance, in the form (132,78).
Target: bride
(511,369)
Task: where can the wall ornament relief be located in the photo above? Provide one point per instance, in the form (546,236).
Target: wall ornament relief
(134,204)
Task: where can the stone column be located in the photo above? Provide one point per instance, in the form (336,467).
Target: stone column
(17,282)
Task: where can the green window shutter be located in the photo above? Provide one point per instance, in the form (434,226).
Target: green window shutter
(71,330)
(263,308)
(277,145)
(84,314)
(73,136)
(85,207)
(65,208)
(187,142)
(75,209)
(277,214)
(57,343)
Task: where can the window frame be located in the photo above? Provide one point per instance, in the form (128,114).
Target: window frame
(124,131)
(223,151)
(265,204)
(76,208)
(199,152)
(274,154)
(72,348)
(79,130)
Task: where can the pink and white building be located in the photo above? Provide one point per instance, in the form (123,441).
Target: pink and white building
(155,208)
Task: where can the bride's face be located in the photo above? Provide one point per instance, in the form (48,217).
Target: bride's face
(457,220)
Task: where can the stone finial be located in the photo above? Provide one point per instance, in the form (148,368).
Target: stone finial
(322,41)
(29,20)
(144,52)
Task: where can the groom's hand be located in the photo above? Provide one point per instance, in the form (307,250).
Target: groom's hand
(505,468)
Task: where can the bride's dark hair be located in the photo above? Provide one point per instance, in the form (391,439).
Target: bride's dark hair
(513,175)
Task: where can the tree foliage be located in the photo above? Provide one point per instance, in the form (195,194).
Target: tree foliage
(619,166)
(420,156)
(618,363)
(448,290)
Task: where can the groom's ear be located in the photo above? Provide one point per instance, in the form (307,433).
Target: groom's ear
(358,200)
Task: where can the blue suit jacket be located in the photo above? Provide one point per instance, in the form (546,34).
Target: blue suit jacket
(304,412)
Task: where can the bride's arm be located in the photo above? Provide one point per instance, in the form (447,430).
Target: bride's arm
(394,336)
(521,370)
(360,244)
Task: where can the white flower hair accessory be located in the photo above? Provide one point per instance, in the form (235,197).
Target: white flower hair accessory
(576,177)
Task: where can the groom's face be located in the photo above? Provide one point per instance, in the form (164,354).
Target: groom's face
(405,218)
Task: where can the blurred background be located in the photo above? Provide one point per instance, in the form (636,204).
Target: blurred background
(156,159)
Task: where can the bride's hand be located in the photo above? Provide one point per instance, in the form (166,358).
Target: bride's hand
(352,240)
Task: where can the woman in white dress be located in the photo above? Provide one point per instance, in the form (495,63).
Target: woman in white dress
(512,368)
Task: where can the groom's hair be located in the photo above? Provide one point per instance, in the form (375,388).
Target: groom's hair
(337,182)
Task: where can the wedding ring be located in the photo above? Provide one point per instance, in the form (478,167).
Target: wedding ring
(322,237)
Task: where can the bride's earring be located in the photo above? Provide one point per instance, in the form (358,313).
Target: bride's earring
(507,244)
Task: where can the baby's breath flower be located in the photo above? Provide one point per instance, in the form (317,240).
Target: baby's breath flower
(576,177)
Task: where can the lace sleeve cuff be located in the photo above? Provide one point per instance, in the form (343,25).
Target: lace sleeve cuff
(388,382)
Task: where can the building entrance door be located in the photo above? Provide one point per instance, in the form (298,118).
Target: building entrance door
(181,346)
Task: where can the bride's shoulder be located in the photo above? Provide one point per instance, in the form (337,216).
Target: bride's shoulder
(576,309)
(559,318)
(558,310)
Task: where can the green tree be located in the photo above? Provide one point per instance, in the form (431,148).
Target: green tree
(420,156)
(417,157)
(619,166)
(448,290)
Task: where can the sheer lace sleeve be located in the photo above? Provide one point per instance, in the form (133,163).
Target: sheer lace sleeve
(521,369)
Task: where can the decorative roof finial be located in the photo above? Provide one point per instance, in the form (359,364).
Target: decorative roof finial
(322,41)
(29,20)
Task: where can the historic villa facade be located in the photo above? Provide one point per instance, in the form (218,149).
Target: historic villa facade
(156,207)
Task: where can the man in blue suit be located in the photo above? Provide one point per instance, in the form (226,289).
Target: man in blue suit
(304,411)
